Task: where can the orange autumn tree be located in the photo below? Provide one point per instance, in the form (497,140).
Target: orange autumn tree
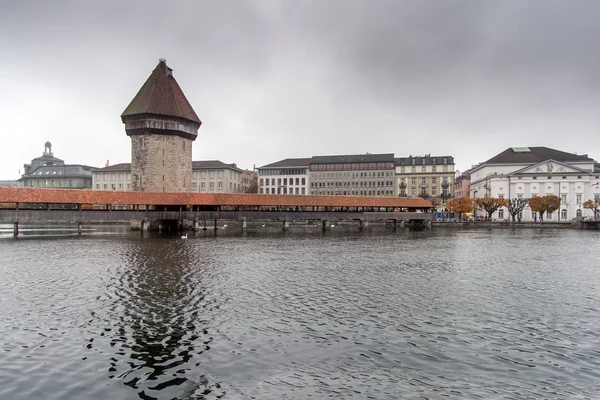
(490,204)
(544,204)
(460,205)
(593,205)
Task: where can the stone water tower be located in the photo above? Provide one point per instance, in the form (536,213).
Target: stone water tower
(162,126)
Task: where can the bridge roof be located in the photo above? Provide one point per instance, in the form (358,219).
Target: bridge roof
(69,196)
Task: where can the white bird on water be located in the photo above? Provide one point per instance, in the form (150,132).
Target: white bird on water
(184,236)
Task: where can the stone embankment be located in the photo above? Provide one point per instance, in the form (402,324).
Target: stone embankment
(505,224)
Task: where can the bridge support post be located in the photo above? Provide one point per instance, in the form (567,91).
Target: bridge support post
(204,226)
(244,224)
(16,228)
(79,228)
(286,225)
(144,225)
(428,224)
(362,224)
(402,224)
(215,227)
(395,224)
(324,225)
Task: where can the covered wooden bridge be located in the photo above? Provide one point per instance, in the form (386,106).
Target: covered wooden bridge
(147,210)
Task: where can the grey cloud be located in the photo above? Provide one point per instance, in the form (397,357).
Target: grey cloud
(295,78)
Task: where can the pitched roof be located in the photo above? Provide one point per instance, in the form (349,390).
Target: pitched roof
(115,167)
(214,164)
(534,155)
(68,196)
(289,163)
(161,95)
(353,158)
(208,164)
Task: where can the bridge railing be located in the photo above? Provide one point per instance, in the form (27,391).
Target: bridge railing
(91,216)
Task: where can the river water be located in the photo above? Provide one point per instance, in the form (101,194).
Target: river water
(469,314)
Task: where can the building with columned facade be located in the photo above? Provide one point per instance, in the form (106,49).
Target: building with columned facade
(525,172)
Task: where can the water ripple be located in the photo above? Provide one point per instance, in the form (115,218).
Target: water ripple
(465,314)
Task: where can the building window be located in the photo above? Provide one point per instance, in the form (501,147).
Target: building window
(202,174)
(563,214)
(303,182)
(212,186)
(120,186)
(105,186)
(220,174)
(211,174)
(97,186)
(578,199)
(128,186)
(563,199)
(194,185)
(303,190)
(501,213)
(433,169)
(220,187)
(202,185)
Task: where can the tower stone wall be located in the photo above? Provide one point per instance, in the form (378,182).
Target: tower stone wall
(161,163)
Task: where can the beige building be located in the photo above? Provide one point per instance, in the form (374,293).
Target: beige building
(426,176)
(211,176)
(114,177)
(214,176)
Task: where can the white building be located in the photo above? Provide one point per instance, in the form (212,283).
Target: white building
(210,176)
(289,176)
(538,171)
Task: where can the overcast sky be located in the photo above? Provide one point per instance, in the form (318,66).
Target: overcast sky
(276,79)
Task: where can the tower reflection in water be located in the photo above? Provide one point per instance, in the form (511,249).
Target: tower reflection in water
(158,321)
